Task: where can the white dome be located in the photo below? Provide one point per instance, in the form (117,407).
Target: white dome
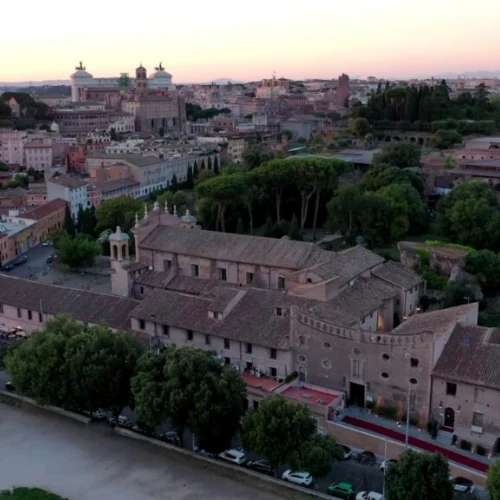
(161,74)
(80,74)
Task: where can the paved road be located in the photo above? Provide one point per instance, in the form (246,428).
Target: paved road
(92,463)
(37,261)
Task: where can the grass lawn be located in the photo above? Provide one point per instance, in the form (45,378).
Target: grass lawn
(28,494)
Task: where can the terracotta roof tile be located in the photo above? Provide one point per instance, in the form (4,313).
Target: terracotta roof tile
(44,210)
(471,355)
(271,252)
(88,307)
(398,275)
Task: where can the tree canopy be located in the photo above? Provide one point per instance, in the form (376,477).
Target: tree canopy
(79,251)
(419,475)
(192,388)
(493,481)
(74,366)
(469,215)
(399,154)
(117,212)
(285,432)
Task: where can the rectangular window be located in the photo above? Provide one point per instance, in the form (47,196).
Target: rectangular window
(451,389)
(19,312)
(166,330)
(222,274)
(167,264)
(30,315)
(356,368)
(274,353)
(249,278)
(477,419)
(227,361)
(227,344)
(249,365)
(478,395)
(273,372)
(40,317)
(142,324)
(1,308)
(249,348)
(195,270)
(190,335)
(281,282)
(279,311)
(208,339)
(142,290)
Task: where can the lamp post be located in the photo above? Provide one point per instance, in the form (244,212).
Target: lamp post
(407,433)
(385,467)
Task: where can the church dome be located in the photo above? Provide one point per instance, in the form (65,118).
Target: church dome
(160,74)
(81,74)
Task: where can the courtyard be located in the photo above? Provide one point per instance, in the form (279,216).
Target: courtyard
(92,463)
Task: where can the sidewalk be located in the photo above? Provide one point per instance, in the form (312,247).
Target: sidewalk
(358,417)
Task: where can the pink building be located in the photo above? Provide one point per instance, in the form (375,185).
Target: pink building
(38,155)
(12,146)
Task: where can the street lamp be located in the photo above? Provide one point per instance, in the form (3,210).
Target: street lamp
(407,433)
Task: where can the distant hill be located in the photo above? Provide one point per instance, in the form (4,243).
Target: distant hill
(466,74)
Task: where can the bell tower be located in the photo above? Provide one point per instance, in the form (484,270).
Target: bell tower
(141,78)
(121,280)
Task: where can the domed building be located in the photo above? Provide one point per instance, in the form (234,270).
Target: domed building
(160,79)
(80,79)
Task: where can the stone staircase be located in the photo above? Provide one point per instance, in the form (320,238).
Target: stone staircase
(444,438)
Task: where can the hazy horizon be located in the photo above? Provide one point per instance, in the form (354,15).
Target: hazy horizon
(209,40)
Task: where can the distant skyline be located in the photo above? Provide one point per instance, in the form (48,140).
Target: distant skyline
(200,41)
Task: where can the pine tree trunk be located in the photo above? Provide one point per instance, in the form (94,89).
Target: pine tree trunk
(316,210)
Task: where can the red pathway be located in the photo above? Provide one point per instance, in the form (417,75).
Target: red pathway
(418,443)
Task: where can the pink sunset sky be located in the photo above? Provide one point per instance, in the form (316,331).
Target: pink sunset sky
(201,40)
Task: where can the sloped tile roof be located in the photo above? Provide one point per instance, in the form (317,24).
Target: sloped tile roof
(246,249)
(82,305)
(398,275)
(434,321)
(471,355)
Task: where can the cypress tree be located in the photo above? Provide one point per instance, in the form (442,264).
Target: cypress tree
(69,223)
(189,178)
(216,166)
(294,232)
(174,184)
(195,170)
(240,228)
(267,229)
(209,163)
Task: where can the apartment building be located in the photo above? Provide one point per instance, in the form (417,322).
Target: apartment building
(39,155)
(73,190)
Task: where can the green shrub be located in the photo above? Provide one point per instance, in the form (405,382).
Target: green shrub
(291,377)
(387,412)
(465,445)
(480,450)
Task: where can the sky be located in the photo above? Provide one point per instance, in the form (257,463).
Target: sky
(201,40)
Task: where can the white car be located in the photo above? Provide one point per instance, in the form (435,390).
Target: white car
(300,478)
(234,456)
(372,495)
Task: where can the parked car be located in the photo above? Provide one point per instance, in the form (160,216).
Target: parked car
(463,485)
(296,477)
(9,386)
(366,458)
(347,451)
(171,437)
(341,490)
(372,495)
(7,268)
(387,464)
(97,415)
(121,421)
(144,431)
(47,243)
(261,466)
(234,456)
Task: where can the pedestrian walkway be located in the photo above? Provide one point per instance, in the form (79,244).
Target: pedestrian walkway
(417,438)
